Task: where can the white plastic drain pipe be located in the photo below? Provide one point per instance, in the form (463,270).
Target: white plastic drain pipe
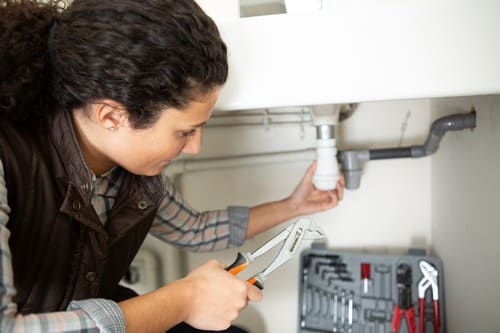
(326,117)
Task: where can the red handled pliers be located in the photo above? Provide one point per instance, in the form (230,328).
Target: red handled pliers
(429,279)
(404,306)
(291,237)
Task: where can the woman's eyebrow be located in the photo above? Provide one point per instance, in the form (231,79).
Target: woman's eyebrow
(199,125)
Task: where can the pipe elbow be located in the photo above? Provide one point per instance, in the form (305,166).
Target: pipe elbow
(454,122)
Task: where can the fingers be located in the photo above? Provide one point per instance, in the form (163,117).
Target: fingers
(323,200)
(310,172)
(338,193)
(340,187)
(254,293)
(307,199)
(217,296)
(329,200)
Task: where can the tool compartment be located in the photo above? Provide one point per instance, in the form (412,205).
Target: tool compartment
(349,292)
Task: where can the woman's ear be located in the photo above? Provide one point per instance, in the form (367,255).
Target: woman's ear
(110,114)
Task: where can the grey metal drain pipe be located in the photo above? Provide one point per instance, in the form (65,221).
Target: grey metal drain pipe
(352,160)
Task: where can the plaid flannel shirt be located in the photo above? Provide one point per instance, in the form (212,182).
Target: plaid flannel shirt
(175,223)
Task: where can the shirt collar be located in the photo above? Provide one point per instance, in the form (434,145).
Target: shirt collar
(64,138)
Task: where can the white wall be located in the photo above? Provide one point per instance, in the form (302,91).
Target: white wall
(466,215)
(452,196)
(389,213)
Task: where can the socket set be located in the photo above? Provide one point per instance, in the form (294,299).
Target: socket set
(347,292)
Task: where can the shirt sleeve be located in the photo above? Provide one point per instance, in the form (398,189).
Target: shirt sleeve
(182,226)
(96,315)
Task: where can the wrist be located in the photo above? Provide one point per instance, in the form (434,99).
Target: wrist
(158,310)
(183,294)
(291,208)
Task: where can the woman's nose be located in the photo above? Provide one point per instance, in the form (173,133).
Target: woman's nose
(193,143)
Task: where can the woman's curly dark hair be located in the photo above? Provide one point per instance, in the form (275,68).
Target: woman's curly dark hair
(146,55)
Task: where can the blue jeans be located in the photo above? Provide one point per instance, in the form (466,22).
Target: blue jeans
(185,328)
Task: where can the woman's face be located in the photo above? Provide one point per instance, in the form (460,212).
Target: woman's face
(147,151)
(142,151)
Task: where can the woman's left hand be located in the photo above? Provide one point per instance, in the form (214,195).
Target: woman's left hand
(307,199)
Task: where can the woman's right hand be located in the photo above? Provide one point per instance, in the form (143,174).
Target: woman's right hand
(216,297)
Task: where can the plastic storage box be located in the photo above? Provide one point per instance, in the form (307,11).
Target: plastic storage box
(348,292)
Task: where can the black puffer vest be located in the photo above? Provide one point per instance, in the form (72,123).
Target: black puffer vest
(60,249)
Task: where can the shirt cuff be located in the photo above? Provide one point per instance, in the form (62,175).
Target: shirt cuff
(107,314)
(238,224)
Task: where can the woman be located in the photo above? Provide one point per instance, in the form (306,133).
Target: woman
(95,101)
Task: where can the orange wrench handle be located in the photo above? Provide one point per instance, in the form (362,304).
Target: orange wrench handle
(255,282)
(238,265)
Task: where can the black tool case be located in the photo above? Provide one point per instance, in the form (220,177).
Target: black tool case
(348,292)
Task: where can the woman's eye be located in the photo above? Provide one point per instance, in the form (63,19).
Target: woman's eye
(188,133)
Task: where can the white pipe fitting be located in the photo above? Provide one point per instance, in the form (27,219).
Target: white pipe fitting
(326,175)
(326,117)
